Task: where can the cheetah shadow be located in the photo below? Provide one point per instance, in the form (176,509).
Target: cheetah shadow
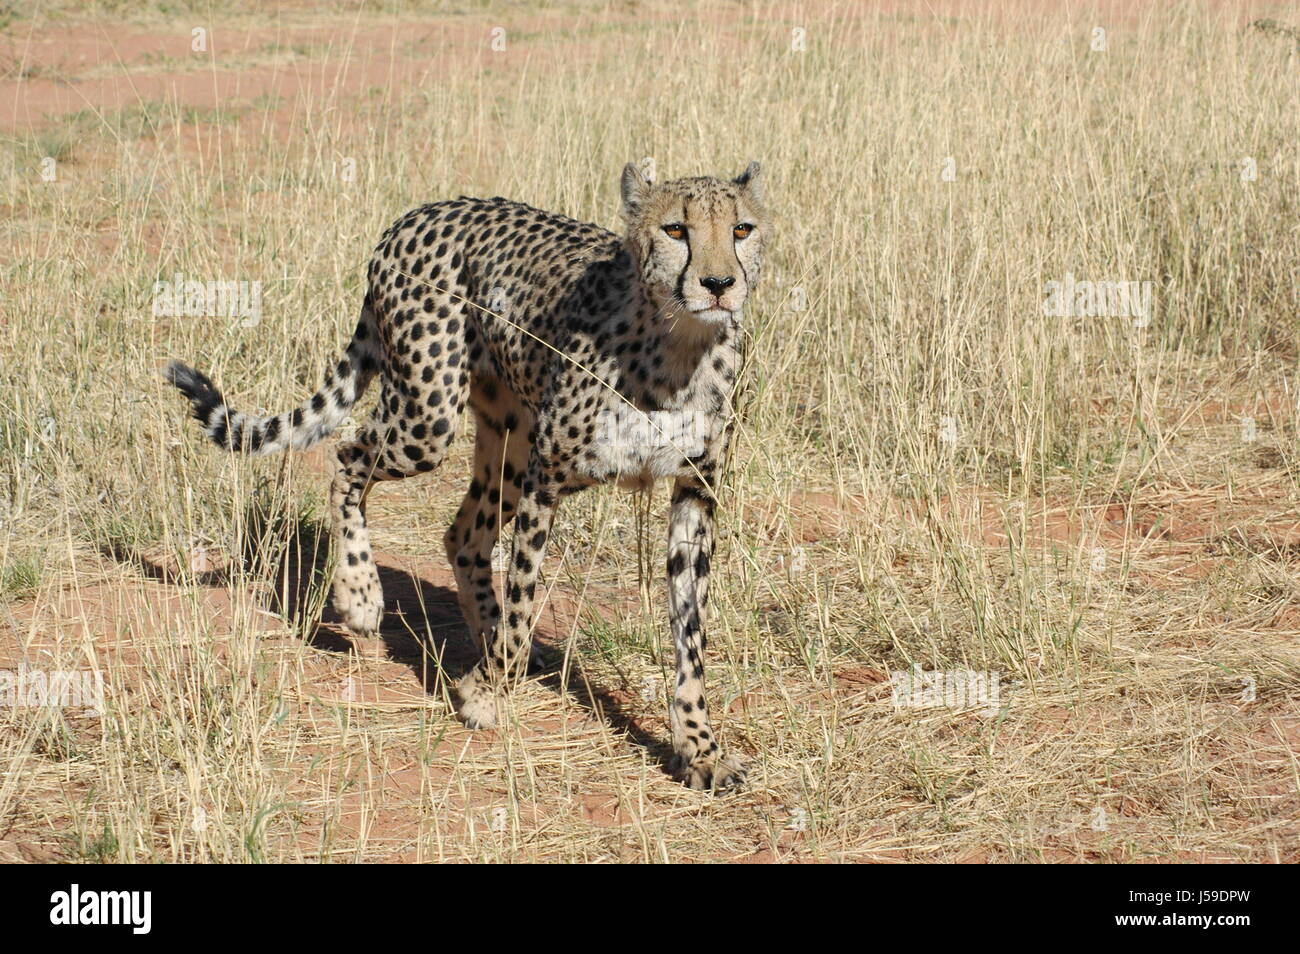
(423,629)
(422,626)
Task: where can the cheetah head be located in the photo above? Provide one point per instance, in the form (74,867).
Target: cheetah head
(698,243)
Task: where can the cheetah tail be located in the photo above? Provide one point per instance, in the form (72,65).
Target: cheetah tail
(301,428)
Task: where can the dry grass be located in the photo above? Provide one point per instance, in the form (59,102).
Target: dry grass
(931,472)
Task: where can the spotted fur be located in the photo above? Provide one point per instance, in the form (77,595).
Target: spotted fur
(585,358)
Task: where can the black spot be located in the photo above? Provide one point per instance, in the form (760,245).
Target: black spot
(702,564)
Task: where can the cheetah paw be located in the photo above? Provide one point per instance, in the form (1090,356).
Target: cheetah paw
(478,711)
(720,774)
(361,619)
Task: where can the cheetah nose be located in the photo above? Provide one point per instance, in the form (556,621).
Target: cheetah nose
(718,285)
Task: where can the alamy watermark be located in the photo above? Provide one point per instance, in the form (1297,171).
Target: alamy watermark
(189,298)
(946,689)
(1081,298)
(30,688)
(128,908)
(628,427)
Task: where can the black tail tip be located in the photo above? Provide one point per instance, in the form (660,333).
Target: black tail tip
(197,387)
(193,384)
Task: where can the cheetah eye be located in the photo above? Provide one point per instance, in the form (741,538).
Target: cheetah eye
(675,230)
(741,231)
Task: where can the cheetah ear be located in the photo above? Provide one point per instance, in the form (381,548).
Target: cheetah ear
(634,189)
(749,181)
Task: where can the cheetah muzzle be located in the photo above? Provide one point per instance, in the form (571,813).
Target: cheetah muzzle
(585,357)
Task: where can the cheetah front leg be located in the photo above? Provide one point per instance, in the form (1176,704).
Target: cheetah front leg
(506,646)
(699,762)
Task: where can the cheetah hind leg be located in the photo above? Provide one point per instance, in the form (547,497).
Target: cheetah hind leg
(358,594)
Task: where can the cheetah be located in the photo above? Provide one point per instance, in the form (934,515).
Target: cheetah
(586,357)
